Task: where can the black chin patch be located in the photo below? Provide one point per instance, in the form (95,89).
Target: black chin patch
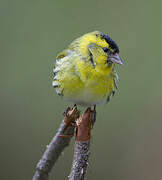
(111,42)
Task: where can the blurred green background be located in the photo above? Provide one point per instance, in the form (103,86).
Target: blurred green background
(127,138)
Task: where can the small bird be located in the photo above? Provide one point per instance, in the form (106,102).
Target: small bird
(84,72)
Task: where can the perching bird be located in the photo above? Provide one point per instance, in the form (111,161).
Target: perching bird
(84,72)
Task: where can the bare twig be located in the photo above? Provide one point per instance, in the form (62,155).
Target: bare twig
(82,145)
(57,145)
(80,161)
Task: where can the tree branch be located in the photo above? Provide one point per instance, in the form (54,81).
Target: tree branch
(57,145)
(82,145)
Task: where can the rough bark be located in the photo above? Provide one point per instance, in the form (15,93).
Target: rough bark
(82,145)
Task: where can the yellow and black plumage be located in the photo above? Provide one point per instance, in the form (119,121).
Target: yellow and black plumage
(84,72)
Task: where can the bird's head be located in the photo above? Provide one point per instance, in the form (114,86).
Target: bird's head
(99,47)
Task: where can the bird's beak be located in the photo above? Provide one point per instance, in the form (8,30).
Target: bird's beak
(116,59)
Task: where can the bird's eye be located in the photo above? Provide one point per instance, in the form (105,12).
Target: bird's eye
(105,49)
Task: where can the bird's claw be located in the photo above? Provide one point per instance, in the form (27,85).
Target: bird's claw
(93,115)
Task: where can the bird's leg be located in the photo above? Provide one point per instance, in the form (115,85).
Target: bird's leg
(66,111)
(93,113)
(70,116)
(73,123)
(68,108)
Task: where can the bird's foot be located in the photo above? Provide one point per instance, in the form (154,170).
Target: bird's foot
(93,115)
(70,116)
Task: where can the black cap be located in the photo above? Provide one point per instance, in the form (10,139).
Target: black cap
(111,42)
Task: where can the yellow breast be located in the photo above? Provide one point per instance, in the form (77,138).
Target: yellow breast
(82,84)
